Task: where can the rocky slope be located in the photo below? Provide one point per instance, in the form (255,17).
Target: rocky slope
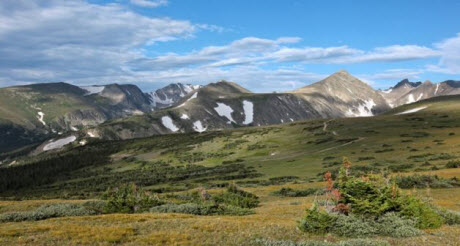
(171,94)
(227,105)
(406,92)
(32,113)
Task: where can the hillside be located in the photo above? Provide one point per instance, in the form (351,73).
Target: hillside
(412,134)
(420,138)
(33,113)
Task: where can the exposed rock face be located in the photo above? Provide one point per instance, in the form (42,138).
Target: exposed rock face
(408,92)
(171,94)
(342,95)
(227,105)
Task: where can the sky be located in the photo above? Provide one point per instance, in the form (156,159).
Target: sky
(264,45)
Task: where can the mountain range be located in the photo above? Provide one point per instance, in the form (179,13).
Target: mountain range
(31,115)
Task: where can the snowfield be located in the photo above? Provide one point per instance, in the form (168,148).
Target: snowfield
(92,89)
(410,99)
(248,112)
(168,123)
(59,143)
(225,110)
(40,118)
(364,110)
(197,126)
(184,117)
(412,110)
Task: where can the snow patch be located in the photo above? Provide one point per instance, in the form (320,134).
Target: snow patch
(419,97)
(412,110)
(387,91)
(363,110)
(168,123)
(59,143)
(93,89)
(184,117)
(437,87)
(197,126)
(224,110)
(410,98)
(195,95)
(156,99)
(73,128)
(92,134)
(248,108)
(83,142)
(40,118)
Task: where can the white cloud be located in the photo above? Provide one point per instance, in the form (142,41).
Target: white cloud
(68,40)
(150,3)
(80,42)
(450,60)
(312,54)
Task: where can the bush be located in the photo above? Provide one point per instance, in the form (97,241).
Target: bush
(47,211)
(129,199)
(97,206)
(317,221)
(353,226)
(450,217)
(425,215)
(390,224)
(423,181)
(289,192)
(237,197)
(453,164)
(201,209)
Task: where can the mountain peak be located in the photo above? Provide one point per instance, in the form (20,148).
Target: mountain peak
(226,87)
(406,82)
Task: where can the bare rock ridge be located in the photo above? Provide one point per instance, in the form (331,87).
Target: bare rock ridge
(409,92)
(227,105)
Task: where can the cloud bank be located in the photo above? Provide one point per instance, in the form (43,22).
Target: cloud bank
(84,43)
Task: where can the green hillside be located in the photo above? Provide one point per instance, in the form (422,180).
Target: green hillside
(420,141)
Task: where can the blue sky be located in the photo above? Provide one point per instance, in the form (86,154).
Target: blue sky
(263,45)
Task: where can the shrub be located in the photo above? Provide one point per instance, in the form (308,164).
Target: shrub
(450,217)
(47,211)
(353,226)
(425,216)
(317,221)
(237,197)
(289,192)
(423,181)
(453,164)
(201,209)
(390,224)
(400,167)
(97,206)
(129,199)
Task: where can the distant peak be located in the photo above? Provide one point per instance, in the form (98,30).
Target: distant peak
(406,82)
